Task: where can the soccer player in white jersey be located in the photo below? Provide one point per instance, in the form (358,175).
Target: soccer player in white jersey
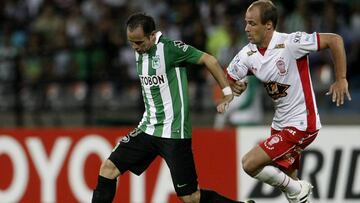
(165,129)
(280,61)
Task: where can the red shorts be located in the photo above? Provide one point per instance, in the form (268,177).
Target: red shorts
(284,147)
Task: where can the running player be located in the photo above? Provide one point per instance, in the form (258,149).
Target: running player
(165,129)
(280,61)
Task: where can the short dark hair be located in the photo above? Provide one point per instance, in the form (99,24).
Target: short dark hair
(268,11)
(143,20)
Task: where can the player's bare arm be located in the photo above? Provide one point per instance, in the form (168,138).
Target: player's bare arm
(215,69)
(339,88)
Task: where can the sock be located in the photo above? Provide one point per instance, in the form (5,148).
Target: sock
(209,196)
(104,191)
(275,177)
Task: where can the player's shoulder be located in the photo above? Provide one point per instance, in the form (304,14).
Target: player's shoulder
(281,36)
(247,51)
(174,44)
(165,40)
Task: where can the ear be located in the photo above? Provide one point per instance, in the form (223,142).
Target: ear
(269,25)
(153,35)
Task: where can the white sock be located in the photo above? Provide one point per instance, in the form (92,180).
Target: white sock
(275,177)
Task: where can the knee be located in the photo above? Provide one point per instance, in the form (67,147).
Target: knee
(109,170)
(249,165)
(192,198)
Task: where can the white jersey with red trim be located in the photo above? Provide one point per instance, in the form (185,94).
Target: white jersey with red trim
(284,70)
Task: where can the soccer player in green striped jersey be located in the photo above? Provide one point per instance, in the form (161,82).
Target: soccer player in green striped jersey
(165,129)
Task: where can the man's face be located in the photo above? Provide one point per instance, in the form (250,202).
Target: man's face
(254,29)
(138,41)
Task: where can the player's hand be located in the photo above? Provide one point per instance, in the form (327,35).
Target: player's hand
(238,87)
(338,90)
(224,104)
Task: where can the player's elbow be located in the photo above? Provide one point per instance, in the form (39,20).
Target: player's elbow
(208,60)
(338,39)
(331,40)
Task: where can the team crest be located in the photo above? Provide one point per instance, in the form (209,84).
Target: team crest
(155,62)
(274,140)
(280,64)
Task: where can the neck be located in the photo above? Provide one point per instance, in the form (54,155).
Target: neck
(266,41)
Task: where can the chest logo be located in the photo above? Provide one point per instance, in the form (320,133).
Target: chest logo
(152,80)
(276,90)
(155,60)
(281,66)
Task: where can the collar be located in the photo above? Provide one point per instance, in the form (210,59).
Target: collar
(158,34)
(273,42)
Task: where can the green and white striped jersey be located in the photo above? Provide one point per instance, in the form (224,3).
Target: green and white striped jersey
(165,88)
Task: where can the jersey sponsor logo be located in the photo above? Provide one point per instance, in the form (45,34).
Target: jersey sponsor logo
(181,45)
(280,46)
(274,140)
(280,64)
(249,53)
(276,90)
(297,37)
(153,80)
(155,62)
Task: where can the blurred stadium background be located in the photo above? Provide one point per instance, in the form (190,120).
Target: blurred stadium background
(67,62)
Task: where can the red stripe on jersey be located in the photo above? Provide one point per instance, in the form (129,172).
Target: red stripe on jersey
(303,68)
(318,41)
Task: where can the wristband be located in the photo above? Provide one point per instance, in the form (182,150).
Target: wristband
(227,91)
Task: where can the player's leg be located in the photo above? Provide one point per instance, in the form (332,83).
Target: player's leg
(283,150)
(306,187)
(106,186)
(179,157)
(292,173)
(256,163)
(132,153)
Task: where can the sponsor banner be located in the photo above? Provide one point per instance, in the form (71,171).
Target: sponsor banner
(62,165)
(331,163)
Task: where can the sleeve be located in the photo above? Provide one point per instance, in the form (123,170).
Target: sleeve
(302,43)
(184,53)
(237,69)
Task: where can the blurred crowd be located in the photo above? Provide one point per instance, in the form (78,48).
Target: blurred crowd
(67,55)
